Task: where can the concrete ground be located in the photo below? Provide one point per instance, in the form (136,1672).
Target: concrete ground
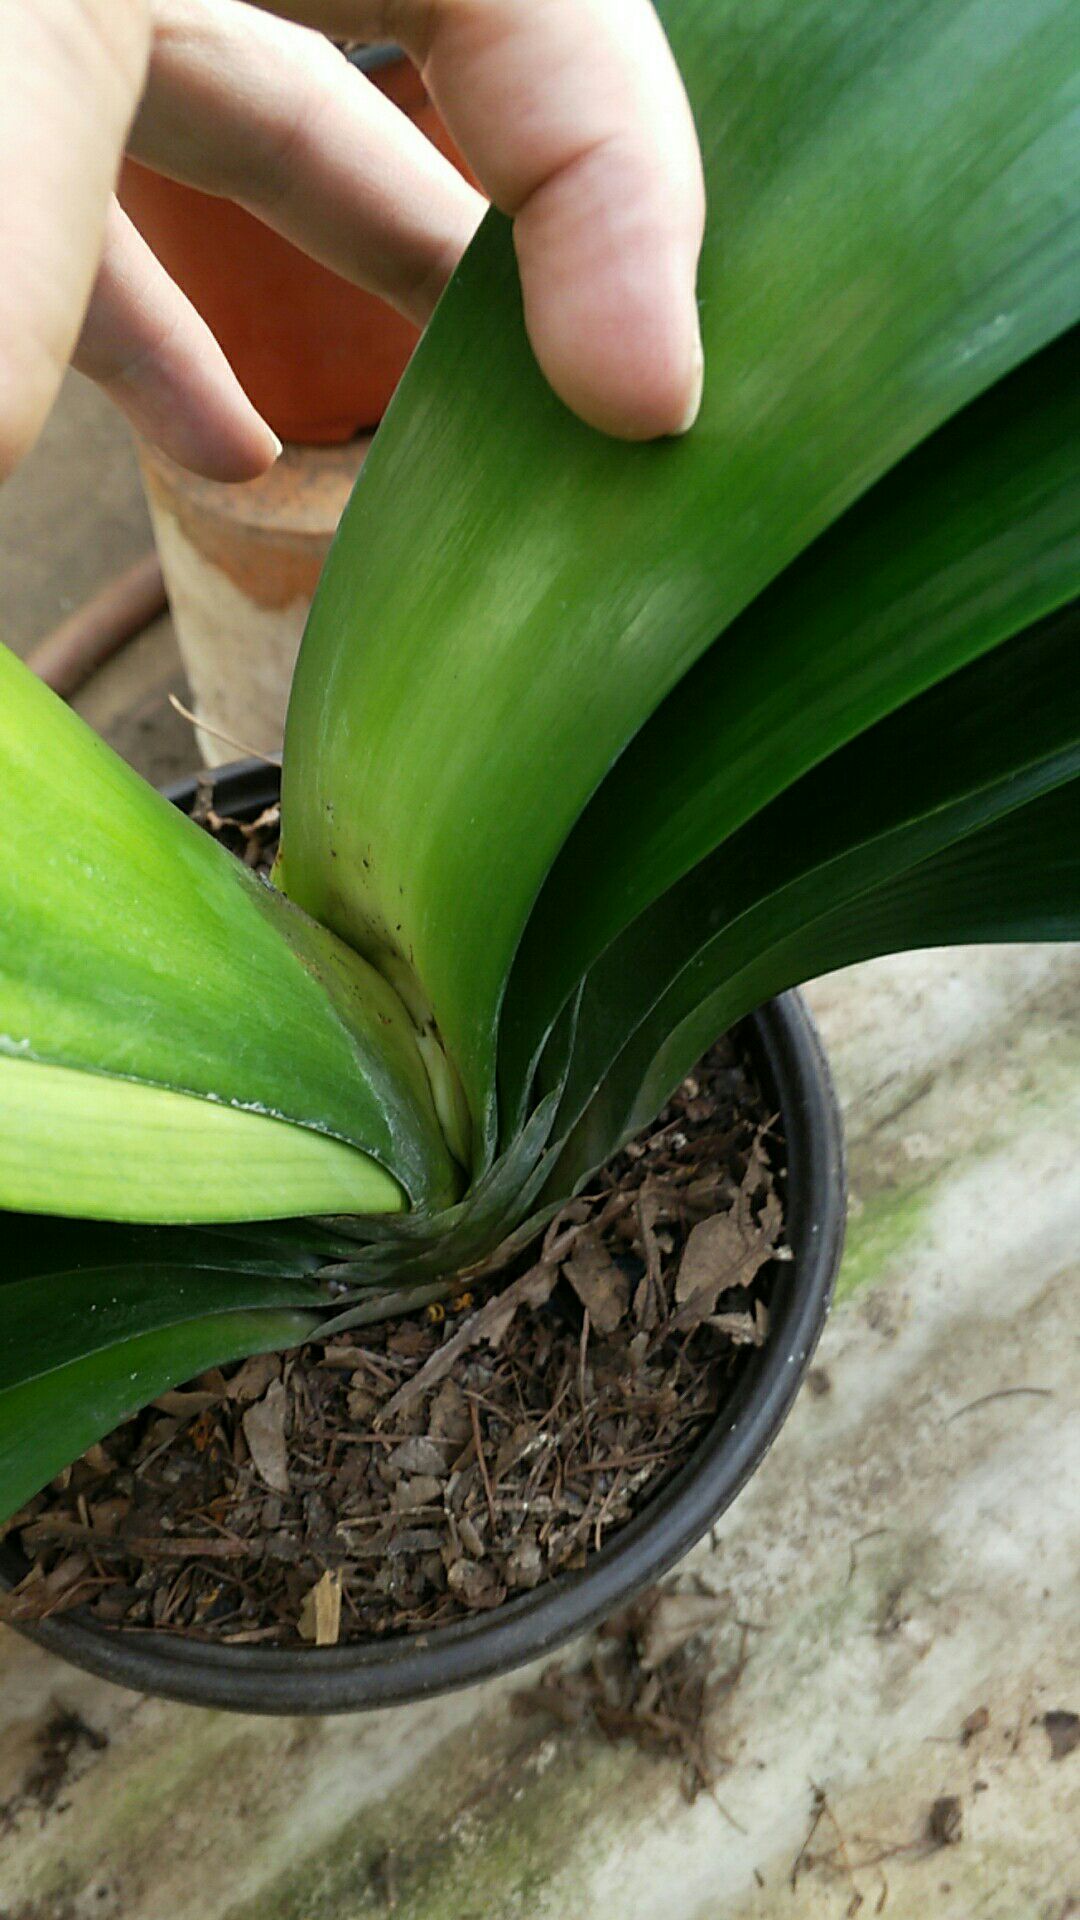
(905,1560)
(72,516)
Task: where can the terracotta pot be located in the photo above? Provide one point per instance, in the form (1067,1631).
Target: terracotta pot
(319,358)
(241,565)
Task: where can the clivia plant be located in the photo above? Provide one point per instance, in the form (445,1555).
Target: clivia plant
(592,747)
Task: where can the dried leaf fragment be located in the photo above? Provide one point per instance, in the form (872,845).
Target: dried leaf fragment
(418,1455)
(729,1249)
(648,1209)
(743,1329)
(254,1377)
(479,1585)
(676,1619)
(320,1612)
(599,1282)
(264,1431)
(186,1405)
(39,1595)
(449,1416)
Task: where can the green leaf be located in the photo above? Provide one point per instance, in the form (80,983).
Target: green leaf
(511,595)
(48,1323)
(973,536)
(746,922)
(105,1149)
(48,1244)
(47,1422)
(411,1248)
(1018,878)
(140,963)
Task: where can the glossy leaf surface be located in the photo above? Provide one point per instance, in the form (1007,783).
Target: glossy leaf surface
(974,535)
(47,1324)
(134,949)
(47,1422)
(746,923)
(108,1149)
(510,595)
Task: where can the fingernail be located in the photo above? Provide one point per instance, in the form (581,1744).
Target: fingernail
(694,406)
(278,445)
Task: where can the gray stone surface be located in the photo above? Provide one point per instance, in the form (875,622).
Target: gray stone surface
(71,517)
(906,1555)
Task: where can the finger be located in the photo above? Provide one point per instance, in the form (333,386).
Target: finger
(574,119)
(144,343)
(72,71)
(271,115)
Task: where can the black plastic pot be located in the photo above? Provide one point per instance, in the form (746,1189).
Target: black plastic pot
(789,1059)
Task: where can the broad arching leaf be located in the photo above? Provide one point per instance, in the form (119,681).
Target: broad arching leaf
(511,595)
(141,964)
(973,536)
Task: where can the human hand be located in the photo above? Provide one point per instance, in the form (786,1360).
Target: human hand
(570,112)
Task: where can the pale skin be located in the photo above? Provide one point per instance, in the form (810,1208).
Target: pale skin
(570,112)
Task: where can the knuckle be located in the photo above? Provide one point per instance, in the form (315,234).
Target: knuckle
(268,166)
(411,22)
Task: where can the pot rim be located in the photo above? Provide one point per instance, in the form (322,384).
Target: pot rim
(789,1056)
